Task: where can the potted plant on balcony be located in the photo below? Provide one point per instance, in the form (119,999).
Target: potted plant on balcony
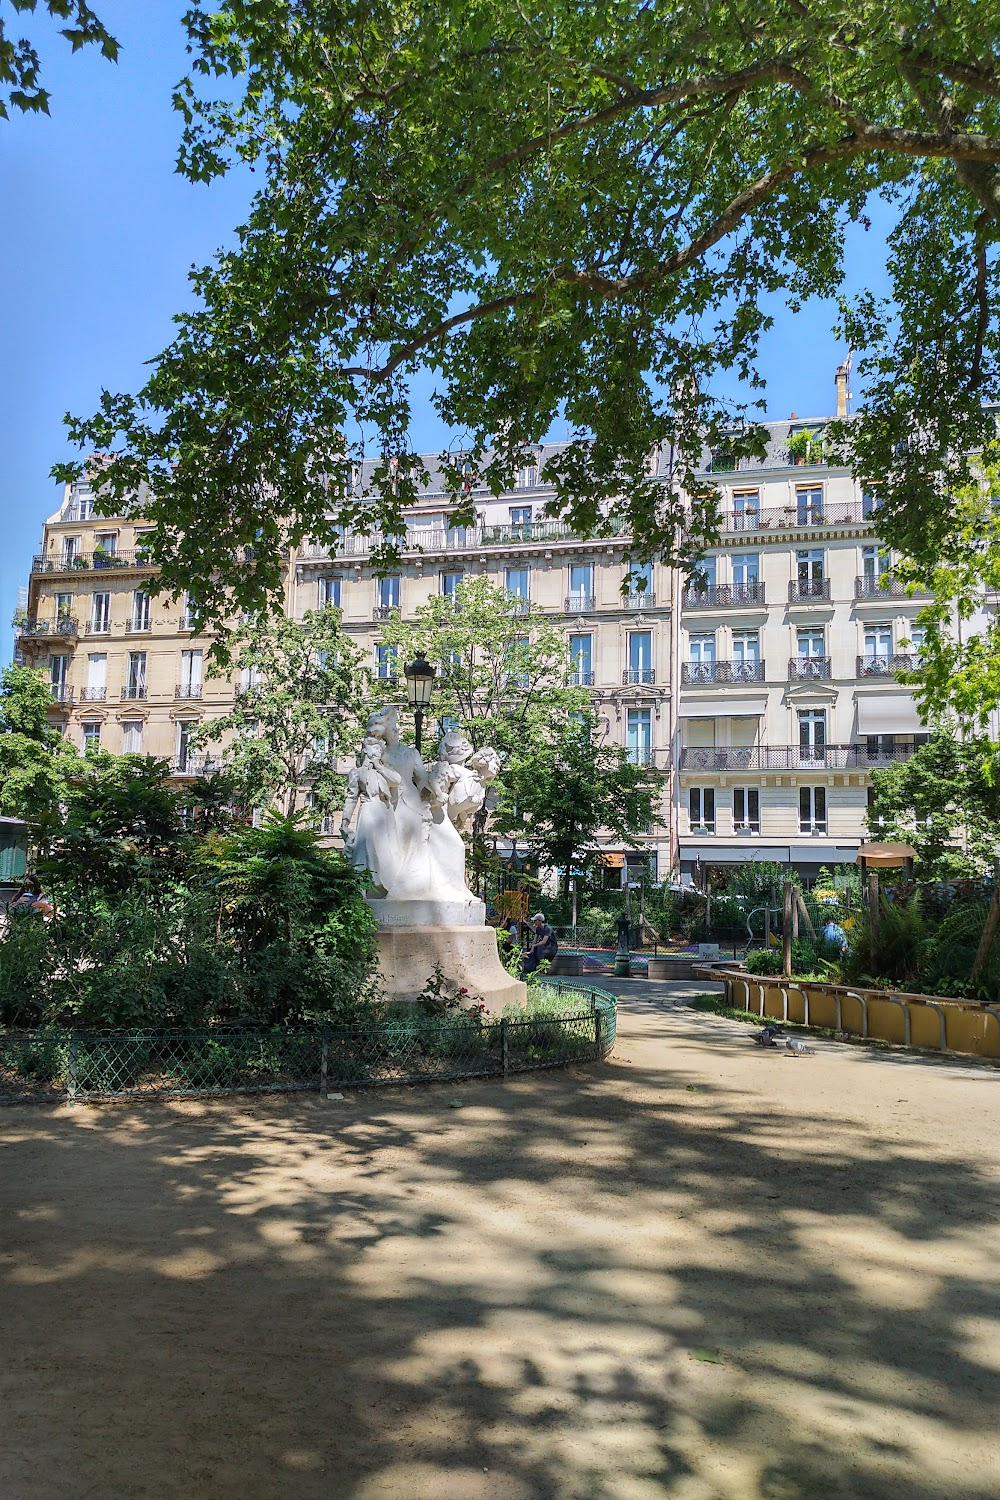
(102,557)
(806,447)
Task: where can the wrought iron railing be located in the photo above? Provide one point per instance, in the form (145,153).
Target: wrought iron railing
(64,627)
(640,601)
(133,691)
(188,690)
(60,692)
(93,694)
(885,586)
(697,673)
(580,679)
(724,595)
(809,668)
(791,757)
(638,676)
(43,1066)
(97,561)
(801,589)
(578,603)
(886,666)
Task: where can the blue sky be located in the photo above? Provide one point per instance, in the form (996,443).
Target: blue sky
(100,234)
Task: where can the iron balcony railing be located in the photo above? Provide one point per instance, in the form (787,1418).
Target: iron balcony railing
(640,755)
(93,694)
(638,677)
(99,627)
(798,517)
(580,679)
(133,691)
(791,757)
(696,673)
(640,601)
(462,539)
(138,627)
(188,690)
(63,628)
(724,595)
(809,668)
(96,561)
(578,603)
(384,611)
(886,666)
(808,588)
(195,765)
(885,586)
(60,692)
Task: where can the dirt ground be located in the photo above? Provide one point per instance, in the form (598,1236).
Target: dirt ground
(701,1271)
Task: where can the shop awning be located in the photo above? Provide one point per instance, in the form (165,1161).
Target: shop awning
(888,714)
(885,856)
(722,708)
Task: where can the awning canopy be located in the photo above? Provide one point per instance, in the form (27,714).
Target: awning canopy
(885,856)
(888,714)
(722,708)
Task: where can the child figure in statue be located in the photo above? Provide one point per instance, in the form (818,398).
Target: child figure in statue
(461,776)
(373,787)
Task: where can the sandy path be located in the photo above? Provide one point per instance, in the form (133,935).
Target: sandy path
(392,1299)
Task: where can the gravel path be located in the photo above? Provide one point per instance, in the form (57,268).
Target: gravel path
(702,1271)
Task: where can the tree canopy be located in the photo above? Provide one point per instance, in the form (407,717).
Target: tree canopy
(945,802)
(35,760)
(20,64)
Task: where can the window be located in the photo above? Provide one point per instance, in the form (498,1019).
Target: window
(581,656)
(83,505)
(640,657)
(527,476)
(516,653)
(810,575)
(250,677)
(701,809)
(704,576)
(870,502)
(581,586)
(809,642)
(639,584)
(387,593)
(809,504)
(516,582)
(100,614)
(878,647)
(812,809)
(746,510)
(746,569)
(135,677)
(106,541)
(746,656)
(97,677)
(190,683)
(520,515)
(450,584)
(64,607)
(875,562)
(639,736)
(70,550)
(876,826)
(132,737)
(746,809)
(58,673)
(140,611)
(701,658)
(812,734)
(185,729)
(90,732)
(915,642)
(385,663)
(329,592)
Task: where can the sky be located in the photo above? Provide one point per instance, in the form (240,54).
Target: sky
(100,234)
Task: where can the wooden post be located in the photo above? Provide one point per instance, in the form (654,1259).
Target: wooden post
(767,928)
(786,930)
(803,912)
(990,929)
(873,901)
(795,912)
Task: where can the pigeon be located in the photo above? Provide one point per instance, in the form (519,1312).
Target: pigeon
(765,1037)
(798,1048)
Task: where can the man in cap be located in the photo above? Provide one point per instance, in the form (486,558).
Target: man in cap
(543,944)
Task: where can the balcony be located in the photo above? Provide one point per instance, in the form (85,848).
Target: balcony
(799,517)
(640,601)
(884,586)
(138,627)
(133,692)
(92,561)
(809,669)
(188,690)
(816,758)
(61,693)
(886,666)
(579,603)
(724,596)
(64,628)
(427,539)
(93,694)
(638,677)
(195,765)
(640,755)
(99,627)
(806,590)
(580,679)
(384,611)
(697,673)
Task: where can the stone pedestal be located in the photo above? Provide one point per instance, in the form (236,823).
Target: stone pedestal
(415,935)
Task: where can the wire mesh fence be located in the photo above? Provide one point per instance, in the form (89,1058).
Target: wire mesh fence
(68,1066)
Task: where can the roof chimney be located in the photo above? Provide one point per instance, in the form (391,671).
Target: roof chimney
(841,390)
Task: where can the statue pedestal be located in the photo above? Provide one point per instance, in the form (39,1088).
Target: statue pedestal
(413,936)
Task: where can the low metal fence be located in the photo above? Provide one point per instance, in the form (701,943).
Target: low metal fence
(69,1066)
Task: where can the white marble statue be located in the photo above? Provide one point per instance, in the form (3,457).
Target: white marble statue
(410,816)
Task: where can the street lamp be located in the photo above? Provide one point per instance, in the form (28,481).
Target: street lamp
(419,676)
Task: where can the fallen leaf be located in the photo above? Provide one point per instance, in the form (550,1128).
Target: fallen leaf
(707,1356)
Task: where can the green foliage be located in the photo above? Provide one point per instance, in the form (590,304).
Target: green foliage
(894,954)
(305,690)
(944,801)
(34,758)
(763,961)
(20,65)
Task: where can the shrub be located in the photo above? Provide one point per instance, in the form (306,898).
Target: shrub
(763,961)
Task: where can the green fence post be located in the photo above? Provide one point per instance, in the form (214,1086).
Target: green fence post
(598,1028)
(71,1069)
(324,1062)
(503,1047)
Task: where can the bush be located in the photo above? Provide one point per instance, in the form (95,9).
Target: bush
(763,961)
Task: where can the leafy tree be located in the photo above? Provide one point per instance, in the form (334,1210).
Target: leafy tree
(20,65)
(945,801)
(35,760)
(503,675)
(304,689)
(561,793)
(569,211)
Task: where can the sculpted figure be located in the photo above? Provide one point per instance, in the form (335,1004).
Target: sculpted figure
(372,791)
(461,777)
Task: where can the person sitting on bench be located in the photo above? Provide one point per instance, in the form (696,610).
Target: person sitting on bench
(543,944)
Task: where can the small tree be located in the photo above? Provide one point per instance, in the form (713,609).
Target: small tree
(303,691)
(35,760)
(561,794)
(503,676)
(945,801)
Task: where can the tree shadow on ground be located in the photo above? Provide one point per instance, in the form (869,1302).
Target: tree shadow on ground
(521,1298)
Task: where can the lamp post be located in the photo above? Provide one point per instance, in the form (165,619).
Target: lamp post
(419,676)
